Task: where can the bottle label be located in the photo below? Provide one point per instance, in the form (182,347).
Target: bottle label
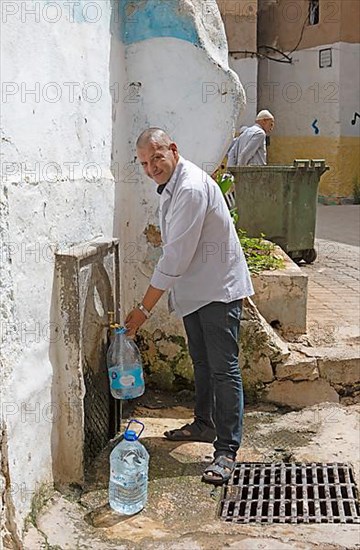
(125,378)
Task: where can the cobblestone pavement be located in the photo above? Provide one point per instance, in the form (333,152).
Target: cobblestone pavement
(334,294)
(334,278)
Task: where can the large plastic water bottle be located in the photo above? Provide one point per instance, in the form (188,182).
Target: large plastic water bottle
(129,464)
(125,367)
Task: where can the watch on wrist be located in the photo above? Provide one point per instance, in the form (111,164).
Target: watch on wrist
(143,309)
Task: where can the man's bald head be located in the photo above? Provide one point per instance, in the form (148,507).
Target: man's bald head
(158,154)
(153,135)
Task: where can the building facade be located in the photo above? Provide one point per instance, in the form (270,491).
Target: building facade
(240,21)
(309,78)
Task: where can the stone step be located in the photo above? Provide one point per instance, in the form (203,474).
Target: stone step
(313,375)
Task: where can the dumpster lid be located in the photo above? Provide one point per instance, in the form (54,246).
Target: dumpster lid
(307,164)
(312,163)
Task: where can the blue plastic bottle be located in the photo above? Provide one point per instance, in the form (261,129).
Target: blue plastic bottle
(125,367)
(129,464)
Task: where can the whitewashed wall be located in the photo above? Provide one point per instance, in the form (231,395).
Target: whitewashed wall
(57,190)
(301,92)
(315,111)
(247,71)
(349,89)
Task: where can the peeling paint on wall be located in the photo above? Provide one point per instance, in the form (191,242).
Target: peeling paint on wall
(10,535)
(154,19)
(153,235)
(58,190)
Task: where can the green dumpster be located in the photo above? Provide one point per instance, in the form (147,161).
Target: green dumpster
(280,202)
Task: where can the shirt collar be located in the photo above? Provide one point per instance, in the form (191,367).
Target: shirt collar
(169,186)
(160,188)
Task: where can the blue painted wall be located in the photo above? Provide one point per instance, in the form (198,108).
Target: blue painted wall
(141,20)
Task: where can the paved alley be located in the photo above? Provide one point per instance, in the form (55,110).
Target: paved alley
(334,278)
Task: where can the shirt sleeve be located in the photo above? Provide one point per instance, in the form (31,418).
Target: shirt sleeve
(255,142)
(183,234)
(232,153)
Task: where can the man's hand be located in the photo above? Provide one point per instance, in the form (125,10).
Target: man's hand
(134,319)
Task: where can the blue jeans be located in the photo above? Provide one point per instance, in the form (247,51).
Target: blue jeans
(213,333)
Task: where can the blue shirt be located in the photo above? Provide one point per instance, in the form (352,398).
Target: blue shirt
(202,260)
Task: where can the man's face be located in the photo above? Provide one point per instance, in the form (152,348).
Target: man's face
(158,161)
(268,125)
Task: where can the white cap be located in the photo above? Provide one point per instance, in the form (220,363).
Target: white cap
(264,115)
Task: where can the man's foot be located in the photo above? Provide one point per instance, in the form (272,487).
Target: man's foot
(219,471)
(192,432)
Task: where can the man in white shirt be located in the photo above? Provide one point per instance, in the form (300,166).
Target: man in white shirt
(204,270)
(250,147)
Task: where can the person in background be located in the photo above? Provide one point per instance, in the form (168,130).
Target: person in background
(250,147)
(204,269)
(233,143)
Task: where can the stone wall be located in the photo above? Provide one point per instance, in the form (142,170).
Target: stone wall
(295,375)
(281,296)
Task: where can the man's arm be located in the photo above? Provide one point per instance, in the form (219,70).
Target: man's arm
(233,152)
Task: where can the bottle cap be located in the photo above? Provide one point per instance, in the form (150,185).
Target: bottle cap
(130,435)
(120,330)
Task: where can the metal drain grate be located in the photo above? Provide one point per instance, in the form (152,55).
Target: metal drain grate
(290,493)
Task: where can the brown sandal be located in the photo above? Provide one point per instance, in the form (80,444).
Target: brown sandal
(191,432)
(219,471)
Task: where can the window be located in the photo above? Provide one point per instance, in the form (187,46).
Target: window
(313,12)
(325,58)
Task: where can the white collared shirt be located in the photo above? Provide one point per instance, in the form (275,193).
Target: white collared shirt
(202,260)
(249,148)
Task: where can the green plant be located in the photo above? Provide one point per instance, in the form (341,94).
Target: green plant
(42,495)
(234,214)
(259,253)
(356,190)
(225,181)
